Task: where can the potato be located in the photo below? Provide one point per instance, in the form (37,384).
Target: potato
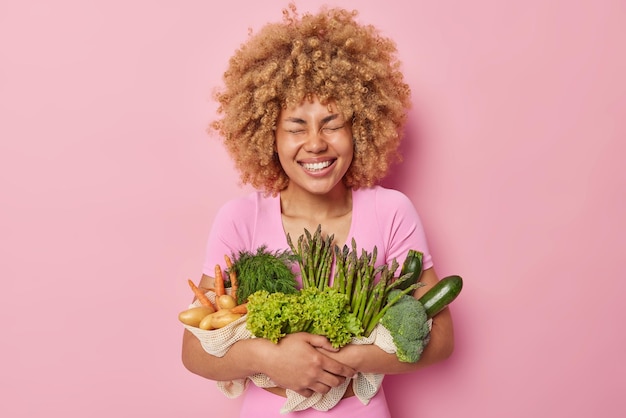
(206,322)
(223,320)
(218,319)
(226,302)
(193,316)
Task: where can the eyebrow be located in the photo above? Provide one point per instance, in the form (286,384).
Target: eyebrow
(324,121)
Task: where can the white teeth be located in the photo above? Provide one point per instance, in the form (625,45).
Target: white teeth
(316,166)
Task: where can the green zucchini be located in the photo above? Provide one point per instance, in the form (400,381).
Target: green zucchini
(441,295)
(412,264)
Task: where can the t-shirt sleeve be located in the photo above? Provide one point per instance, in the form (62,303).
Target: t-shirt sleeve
(403,227)
(231,232)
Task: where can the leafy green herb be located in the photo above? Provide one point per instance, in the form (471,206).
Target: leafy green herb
(264,270)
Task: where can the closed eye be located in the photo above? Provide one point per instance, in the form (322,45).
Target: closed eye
(330,129)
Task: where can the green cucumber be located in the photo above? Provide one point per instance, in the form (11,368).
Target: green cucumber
(441,295)
(412,264)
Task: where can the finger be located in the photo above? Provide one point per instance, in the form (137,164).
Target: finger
(320,341)
(339,370)
(305,392)
(320,387)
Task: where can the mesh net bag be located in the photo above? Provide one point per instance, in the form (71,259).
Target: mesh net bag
(365,385)
(217,342)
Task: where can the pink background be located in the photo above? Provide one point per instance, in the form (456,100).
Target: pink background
(109,182)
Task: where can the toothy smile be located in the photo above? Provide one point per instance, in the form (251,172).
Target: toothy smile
(316,166)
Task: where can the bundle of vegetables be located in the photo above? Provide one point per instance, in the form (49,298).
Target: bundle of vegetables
(375,295)
(366,286)
(343,303)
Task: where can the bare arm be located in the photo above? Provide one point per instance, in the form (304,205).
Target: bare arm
(372,359)
(316,371)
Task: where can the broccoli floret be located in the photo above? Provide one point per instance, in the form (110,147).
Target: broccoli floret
(407,323)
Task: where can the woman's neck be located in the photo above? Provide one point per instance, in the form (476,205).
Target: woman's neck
(297,203)
(333,212)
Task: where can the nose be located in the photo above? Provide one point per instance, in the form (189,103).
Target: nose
(315,142)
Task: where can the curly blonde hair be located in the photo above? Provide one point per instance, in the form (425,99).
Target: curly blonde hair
(328,55)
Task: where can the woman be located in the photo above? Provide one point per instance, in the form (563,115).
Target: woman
(312,112)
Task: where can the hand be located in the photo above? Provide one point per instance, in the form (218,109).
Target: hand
(347,355)
(297,363)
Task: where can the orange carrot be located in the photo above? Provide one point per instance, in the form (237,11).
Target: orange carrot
(202,298)
(219,282)
(229,262)
(233,277)
(240,309)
